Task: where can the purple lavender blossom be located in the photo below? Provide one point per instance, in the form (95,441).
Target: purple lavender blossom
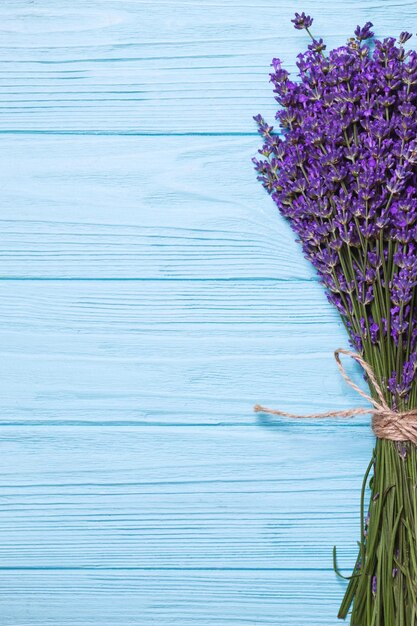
(364,32)
(302,21)
(404,36)
(343,170)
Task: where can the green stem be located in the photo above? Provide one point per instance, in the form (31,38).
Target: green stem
(383,590)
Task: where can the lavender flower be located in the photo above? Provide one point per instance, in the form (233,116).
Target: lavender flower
(364,32)
(302,21)
(404,36)
(343,170)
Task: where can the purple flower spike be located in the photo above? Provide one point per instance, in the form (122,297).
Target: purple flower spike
(317,46)
(342,168)
(404,36)
(364,32)
(301,21)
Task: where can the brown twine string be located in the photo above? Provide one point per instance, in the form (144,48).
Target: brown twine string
(386,423)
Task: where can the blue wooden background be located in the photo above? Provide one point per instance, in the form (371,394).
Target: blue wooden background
(150,296)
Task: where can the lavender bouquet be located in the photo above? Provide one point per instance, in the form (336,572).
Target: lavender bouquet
(343,171)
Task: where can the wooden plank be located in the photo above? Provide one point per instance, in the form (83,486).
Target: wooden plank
(176,498)
(200,350)
(159,67)
(106,207)
(129,598)
(150,296)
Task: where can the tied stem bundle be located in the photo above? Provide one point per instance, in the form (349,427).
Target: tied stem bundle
(342,170)
(386,422)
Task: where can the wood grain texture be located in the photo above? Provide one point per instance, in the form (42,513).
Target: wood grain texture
(110,207)
(133,66)
(149,296)
(117,598)
(170,501)
(188,351)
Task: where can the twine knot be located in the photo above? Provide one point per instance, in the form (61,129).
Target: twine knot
(386,422)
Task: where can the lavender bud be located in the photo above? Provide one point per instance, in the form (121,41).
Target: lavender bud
(404,36)
(302,21)
(364,32)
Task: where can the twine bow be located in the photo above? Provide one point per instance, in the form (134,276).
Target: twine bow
(386,423)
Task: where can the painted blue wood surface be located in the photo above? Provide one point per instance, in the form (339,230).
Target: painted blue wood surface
(150,297)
